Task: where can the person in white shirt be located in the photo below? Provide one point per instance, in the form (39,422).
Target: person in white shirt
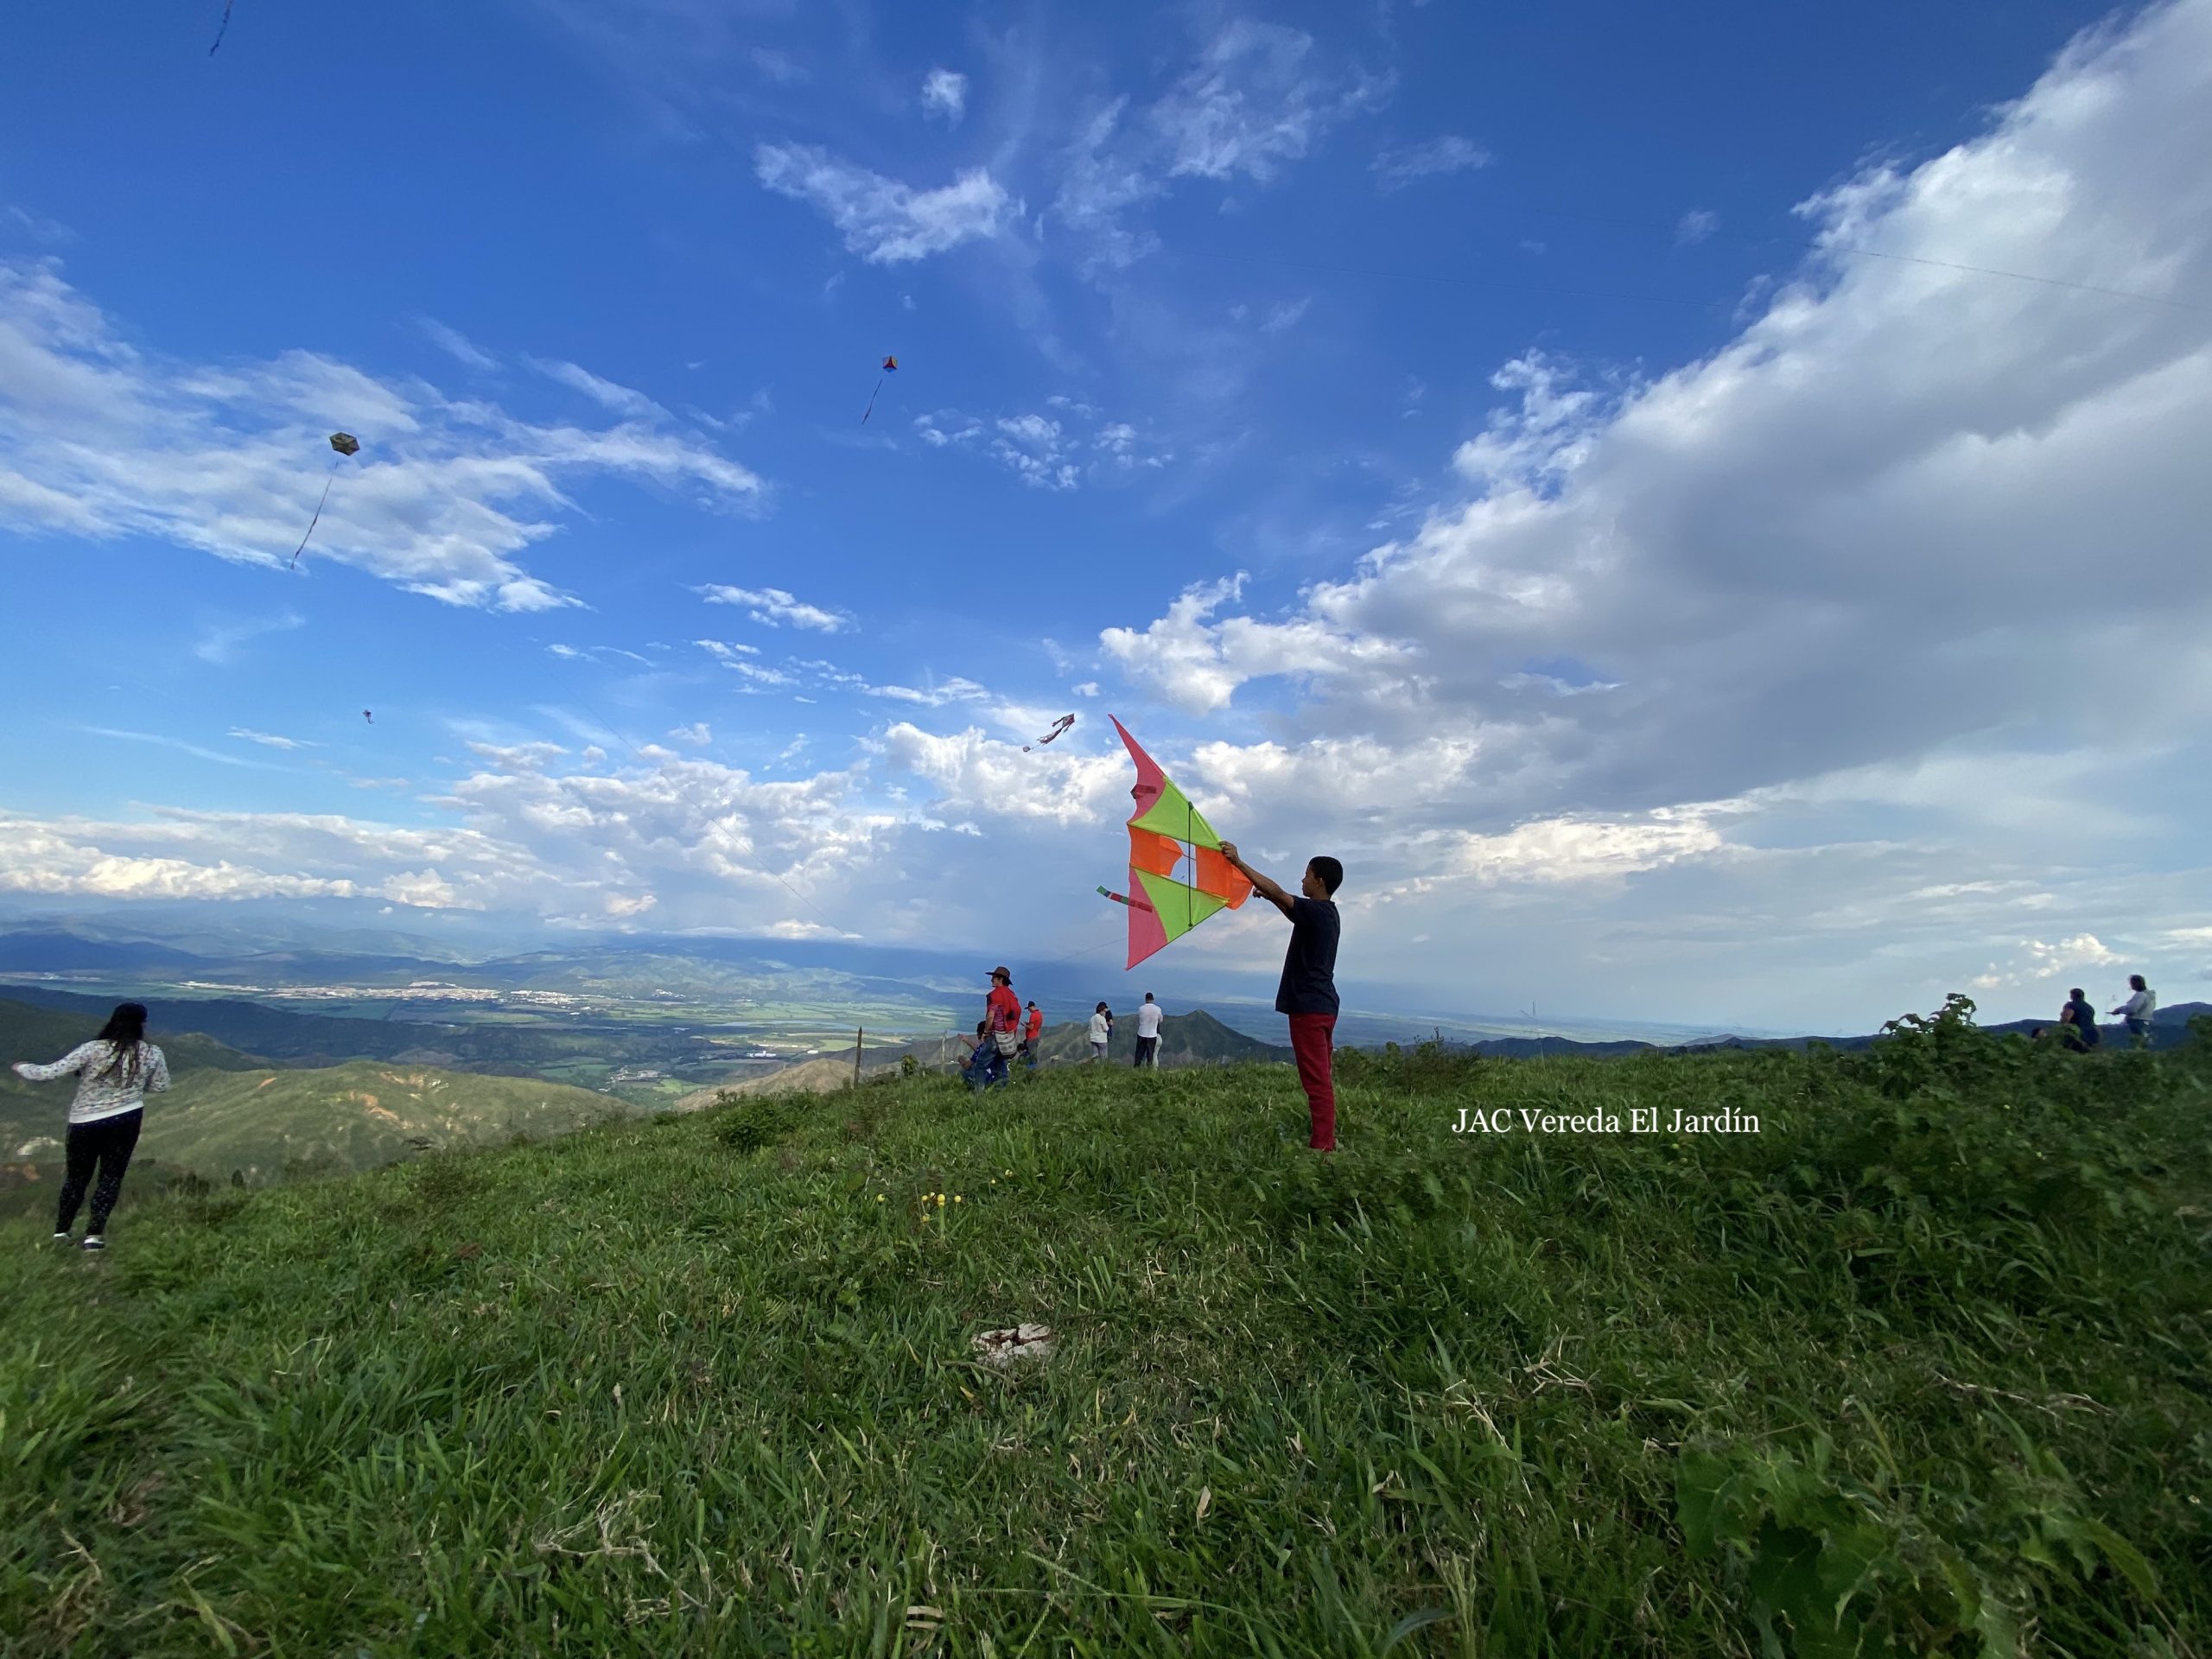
(1148,1018)
(115,1072)
(2136,1011)
(1102,1031)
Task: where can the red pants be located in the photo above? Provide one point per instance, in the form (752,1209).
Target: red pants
(1312,1037)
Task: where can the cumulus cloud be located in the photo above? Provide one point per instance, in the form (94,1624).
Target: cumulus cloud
(101,439)
(772,607)
(944,94)
(883,221)
(1394,169)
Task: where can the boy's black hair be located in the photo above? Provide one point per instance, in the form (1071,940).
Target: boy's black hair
(1331,871)
(2075,993)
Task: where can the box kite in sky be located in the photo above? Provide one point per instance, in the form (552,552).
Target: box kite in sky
(1178,876)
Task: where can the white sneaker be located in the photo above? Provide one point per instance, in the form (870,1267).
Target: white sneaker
(94,1242)
(61,1238)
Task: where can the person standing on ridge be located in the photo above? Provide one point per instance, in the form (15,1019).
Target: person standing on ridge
(1101,1033)
(1148,1018)
(1002,1013)
(1029,1033)
(2136,1011)
(2083,1020)
(115,1073)
(1307,993)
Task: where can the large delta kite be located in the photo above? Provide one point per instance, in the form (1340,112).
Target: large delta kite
(1172,890)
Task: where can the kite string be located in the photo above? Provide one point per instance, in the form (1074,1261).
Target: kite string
(224,29)
(312,523)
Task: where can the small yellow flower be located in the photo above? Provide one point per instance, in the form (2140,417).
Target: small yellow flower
(879,1197)
(940,1200)
(955,1197)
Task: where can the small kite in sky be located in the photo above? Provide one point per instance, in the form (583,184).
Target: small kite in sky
(890,368)
(1059,726)
(367,715)
(1171,890)
(346,444)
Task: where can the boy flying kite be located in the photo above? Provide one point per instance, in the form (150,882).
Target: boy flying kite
(1307,993)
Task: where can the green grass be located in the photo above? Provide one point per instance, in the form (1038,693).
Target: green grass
(1930,1348)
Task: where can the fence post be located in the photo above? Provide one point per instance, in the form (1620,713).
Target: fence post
(860,1036)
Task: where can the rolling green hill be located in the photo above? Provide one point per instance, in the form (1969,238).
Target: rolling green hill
(265,1123)
(1914,1365)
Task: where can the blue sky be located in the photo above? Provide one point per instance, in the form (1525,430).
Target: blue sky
(1555,462)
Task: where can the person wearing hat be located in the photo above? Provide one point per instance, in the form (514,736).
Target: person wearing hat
(1002,1013)
(1030,1028)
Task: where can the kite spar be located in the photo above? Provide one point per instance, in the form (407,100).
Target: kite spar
(1171,890)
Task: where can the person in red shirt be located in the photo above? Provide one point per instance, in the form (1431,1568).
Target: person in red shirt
(1002,1013)
(1029,1031)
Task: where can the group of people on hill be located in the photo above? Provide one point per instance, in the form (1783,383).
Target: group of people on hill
(1306,996)
(119,1068)
(2078,1021)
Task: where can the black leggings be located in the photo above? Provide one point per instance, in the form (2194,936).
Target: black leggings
(106,1141)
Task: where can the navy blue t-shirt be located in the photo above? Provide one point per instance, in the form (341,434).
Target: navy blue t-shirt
(2085,1022)
(1309,967)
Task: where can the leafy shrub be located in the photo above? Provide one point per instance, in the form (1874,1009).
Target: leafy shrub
(751,1123)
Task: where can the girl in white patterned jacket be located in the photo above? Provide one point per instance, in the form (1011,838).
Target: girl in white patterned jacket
(115,1073)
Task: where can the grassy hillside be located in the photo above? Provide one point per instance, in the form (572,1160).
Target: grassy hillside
(30,1112)
(1916,1368)
(266,1124)
(1193,1038)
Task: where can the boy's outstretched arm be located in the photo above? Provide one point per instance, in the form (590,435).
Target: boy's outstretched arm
(1267,890)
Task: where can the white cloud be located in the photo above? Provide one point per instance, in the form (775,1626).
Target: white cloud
(779,67)
(1088,689)
(270,740)
(1256,99)
(456,345)
(1282,318)
(698,734)
(101,439)
(884,221)
(630,405)
(1057,452)
(1394,169)
(1197,664)
(772,606)
(944,93)
(220,642)
(1695,227)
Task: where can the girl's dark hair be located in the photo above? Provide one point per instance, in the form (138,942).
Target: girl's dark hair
(124,1031)
(2135,982)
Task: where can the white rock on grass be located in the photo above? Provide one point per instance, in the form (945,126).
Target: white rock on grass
(1023,1342)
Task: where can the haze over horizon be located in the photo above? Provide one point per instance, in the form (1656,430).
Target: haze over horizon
(1705,515)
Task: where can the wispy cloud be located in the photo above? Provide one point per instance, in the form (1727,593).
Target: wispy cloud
(882,220)
(944,94)
(1394,169)
(1059,452)
(772,607)
(101,438)
(220,644)
(1257,98)
(630,405)
(456,345)
(270,740)
(1695,225)
(779,67)
(183,747)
